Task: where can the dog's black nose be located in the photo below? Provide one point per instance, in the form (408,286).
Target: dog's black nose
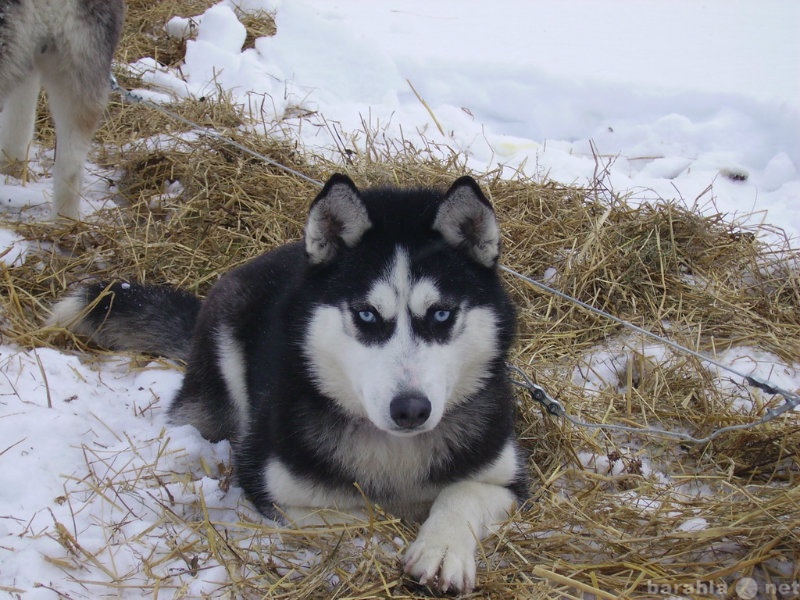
(410,410)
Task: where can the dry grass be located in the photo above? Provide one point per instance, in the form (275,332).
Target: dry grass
(602,522)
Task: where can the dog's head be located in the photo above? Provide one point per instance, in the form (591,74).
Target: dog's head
(410,317)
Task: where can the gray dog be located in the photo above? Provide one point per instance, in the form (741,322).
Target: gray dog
(65,46)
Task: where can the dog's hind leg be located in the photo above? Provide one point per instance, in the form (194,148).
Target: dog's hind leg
(16,124)
(76,113)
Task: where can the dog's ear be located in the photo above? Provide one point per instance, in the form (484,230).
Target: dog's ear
(466,220)
(337,218)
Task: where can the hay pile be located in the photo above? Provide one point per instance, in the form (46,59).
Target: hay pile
(612,515)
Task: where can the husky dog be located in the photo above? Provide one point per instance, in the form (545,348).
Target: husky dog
(369,357)
(66,46)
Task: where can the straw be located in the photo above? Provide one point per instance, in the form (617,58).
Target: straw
(611,515)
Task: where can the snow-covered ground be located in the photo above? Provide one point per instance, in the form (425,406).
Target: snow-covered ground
(681,94)
(697,101)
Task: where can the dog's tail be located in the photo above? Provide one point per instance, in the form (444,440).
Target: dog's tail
(150,319)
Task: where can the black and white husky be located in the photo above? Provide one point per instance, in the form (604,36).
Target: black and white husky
(65,46)
(369,356)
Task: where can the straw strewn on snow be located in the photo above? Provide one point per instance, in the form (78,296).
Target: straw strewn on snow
(610,515)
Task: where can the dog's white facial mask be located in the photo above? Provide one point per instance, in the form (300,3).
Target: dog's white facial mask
(401,355)
(375,379)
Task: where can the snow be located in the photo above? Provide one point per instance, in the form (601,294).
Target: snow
(679,96)
(694,524)
(674,97)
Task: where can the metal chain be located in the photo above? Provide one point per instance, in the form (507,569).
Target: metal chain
(537,393)
(554,407)
(139,99)
(791,400)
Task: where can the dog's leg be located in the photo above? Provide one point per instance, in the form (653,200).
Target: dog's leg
(463,514)
(76,114)
(16,124)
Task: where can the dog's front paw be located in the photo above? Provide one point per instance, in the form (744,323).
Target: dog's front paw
(454,564)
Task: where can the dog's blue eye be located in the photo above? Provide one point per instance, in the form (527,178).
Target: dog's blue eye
(441,316)
(367,316)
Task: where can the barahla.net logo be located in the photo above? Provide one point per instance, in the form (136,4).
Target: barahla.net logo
(745,588)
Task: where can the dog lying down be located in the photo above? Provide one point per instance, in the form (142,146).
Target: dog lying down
(372,352)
